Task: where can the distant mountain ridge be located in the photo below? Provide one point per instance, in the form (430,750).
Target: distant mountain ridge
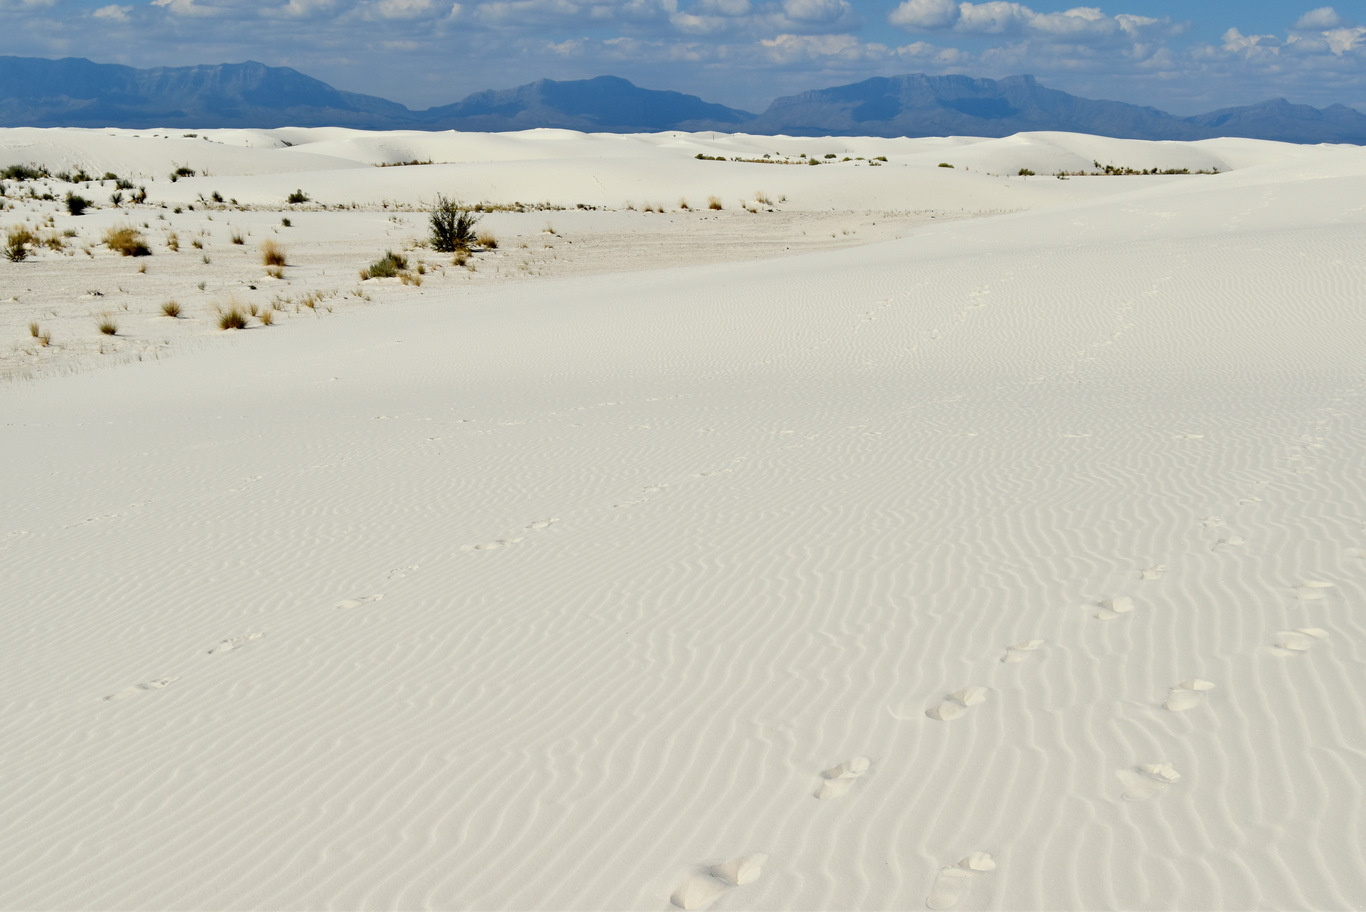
(76,92)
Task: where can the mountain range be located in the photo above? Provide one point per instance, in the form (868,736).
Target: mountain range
(75,92)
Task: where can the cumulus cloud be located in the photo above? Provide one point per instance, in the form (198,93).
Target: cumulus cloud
(1325,17)
(404,9)
(186,8)
(113,13)
(1344,40)
(925,15)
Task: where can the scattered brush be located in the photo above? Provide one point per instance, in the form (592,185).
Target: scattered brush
(171,309)
(127,240)
(17,242)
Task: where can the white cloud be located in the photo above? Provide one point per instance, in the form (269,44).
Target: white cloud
(1235,42)
(1344,40)
(816,10)
(925,15)
(404,9)
(186,8)
(1325,17)
(113,13)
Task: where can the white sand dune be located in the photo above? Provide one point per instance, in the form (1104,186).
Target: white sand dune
(1014,563)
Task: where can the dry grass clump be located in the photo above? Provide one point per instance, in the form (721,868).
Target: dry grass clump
(272,254)
(267,316)
(16,243)
(173,241)
(127,240)
(44,338)
(487,240)
(108,326)
(683,204)
(714,202)
(237,238)
(171,309)
(231,317)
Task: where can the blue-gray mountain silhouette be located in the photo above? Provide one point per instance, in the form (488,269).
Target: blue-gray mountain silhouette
(77,92)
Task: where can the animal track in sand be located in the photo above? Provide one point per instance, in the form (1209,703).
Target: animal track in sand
(1146,780)
(235,643)
(491,545)
(1112,608)
(400,572)
(1156,571)
(1189,694)
(701,887)
(141,688)
(957,703)
(1020,651)
(1212,522)
(540,524)
(1299,640)
(840,777)
(951,883)
(1248,501)
(1224,544)
(358,601)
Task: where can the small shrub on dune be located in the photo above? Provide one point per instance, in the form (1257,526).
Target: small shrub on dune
(452,225)
(238,239)
(108,327)
(76,205)
(387,267)
(272,254)
(171,309)
(126,240)
(297,197)
(17,242)
(267,317)
(714,202)
(487,240)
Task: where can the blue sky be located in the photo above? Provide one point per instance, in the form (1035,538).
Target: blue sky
(1181,57)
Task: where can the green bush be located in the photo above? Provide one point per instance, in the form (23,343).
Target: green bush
(76,205)
(452,225)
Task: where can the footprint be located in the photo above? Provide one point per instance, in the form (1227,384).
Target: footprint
(235,643)
(958,703)
(1293,642)
(1224,544)
(1211,522)
(1146,780)
(951,884)
(540,524)
(1248,501)
(141,688)
(1112,608)
(1156,571)
(400,572)
(358,601)
(1020,651)
(701,887)
(839,778)
(1187,695)
(491,545)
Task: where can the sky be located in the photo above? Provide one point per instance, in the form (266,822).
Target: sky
(1183,57)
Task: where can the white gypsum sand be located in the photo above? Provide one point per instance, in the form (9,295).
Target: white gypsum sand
(580,585)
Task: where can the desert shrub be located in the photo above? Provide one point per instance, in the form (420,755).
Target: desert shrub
(116,197)
(108,327)
(267,317)
(298,196)
(945,165)
(76,205)
(231,318)
(452,225)
(388,266)
(173,241)
(714,202)
(237,238)
(272,254)
(34,329)
(1025,172)
(171,309)
(831,155)
(23,172)
(127,240)
(216,197)
(487,240)
(17,241)
(285,221)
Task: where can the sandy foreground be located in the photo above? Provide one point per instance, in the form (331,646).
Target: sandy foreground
(896,536)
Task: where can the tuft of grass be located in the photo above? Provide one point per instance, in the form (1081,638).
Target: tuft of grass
(173,241)
(683,204)
(388,266)
(171,309)
(17,242)
(76,205)
(714,202)
(267,317)
(237,238)
(272,254)
(108,327)
(487,240)
(127,240)
(298,196)
(285,221)
(231,317)
(34,329)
